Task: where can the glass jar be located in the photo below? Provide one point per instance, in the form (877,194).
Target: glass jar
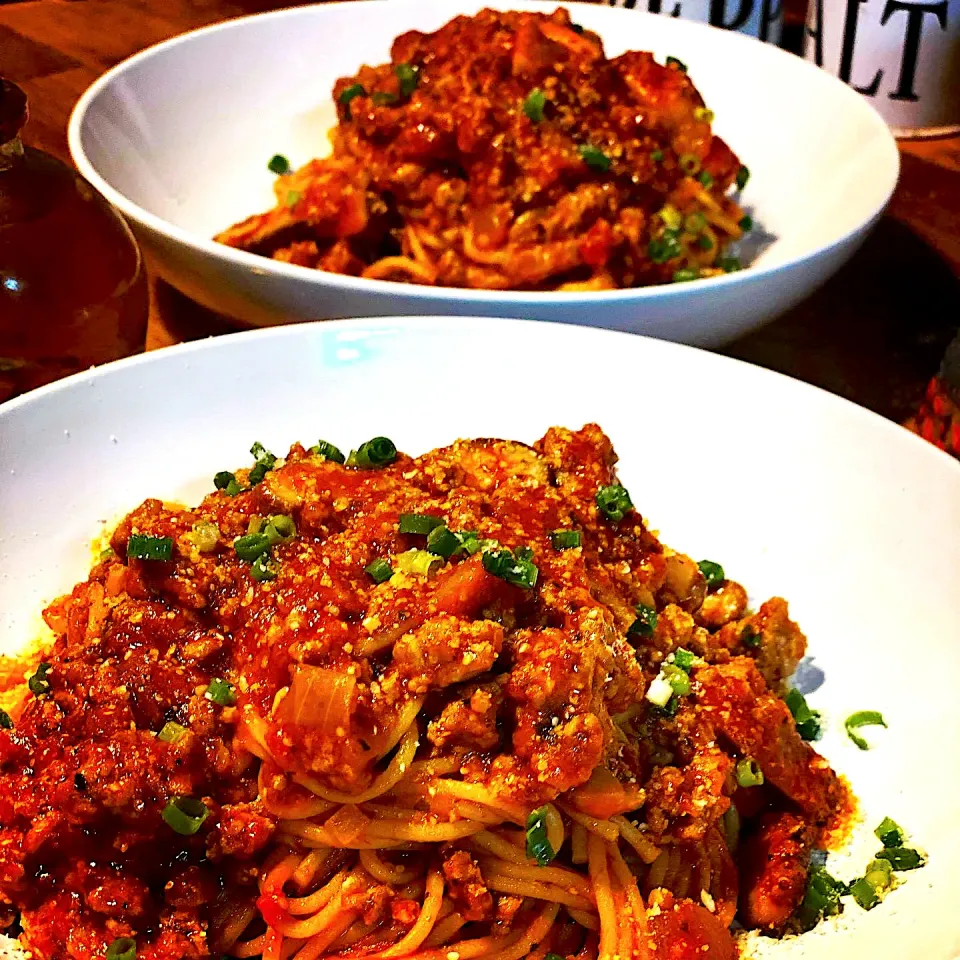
(73,290)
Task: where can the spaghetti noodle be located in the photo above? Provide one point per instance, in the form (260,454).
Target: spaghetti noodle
(534,164)
(407,708)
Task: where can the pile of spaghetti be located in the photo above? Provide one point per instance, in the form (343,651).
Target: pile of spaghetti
(533,164)
(459,707)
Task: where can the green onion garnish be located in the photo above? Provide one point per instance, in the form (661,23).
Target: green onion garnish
(704,242)
(279,529)
(749,773)
(123,948)
(890,833)
(5,722)
(656,156)
(419,562)
(743,175)
(594,157)
(679,64)
(328,451)
(205,536)
(862,718)
(407,75)
(689,164)
(822,898)
(442,542)
(685,275)
(383,98)
(703,113)
(278,164)
(378,452)
(471,542)
(705,179)
(538,846)
(645,623)
(729,264)
(184,815)
(712,571)
(418,523)
(354,90)
(902,858)
(533,105)
(293,197)
(564,539)
(140,546)
(695,222)
(264,462)
(807,721)
(678,679)
(613,502)
(264,568)
(223,479)
(38,683)
(222,693)
(749,637)
(746,223)
(684,659)
(379,570)
(251,546)
(665,247)
(515,567)
(171,732)
(869,889)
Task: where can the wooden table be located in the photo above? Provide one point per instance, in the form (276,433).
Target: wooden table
(874,333)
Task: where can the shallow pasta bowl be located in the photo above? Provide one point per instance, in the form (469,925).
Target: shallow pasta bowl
(179,136)
(804,495)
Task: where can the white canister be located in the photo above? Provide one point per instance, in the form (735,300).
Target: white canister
(762,19)
(903,55)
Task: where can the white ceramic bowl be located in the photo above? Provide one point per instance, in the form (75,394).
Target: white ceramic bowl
(178,138)
(797,492)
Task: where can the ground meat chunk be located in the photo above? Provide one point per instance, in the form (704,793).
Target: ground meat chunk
(466,887)
(469,721)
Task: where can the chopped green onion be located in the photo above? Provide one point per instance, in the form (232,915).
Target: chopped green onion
(671,216)
(184,815)
(140,546)
(408,77)
(705,179)
(594,157)
(749,773)
(38,683)
(807,721)
(278,164)
(862,718)
(743,175)
(685,275)
(704,242)
(171,732)
(223,479)
(293,197)
(533,105)
(383,99)
(471,542)
(442,542)
(712,571)
(678,679)
(695,222)
(205,536)
(514,567)
(746,223)
(264,568)
(564,539)
(418,523)
(869,889)
(222,693)
(656,156)
(729,264)
(679,64)
(669,709)
(123,948)
(106,553)
(354,90)
(890,833)
(685,659)
(822,898)
(279,529)
(613,502)
(538,845)
(703,113)
(5,722)
(665,247)
(328,451)
(645,623)
(689,164)
(378,452)
(264,462)
(379,570)
(419,562)
(902,858)
(251,546)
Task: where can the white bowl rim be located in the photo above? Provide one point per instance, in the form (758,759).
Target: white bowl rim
(450,327)
(265,265)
